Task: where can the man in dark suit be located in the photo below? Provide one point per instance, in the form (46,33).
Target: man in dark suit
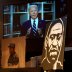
(34,30)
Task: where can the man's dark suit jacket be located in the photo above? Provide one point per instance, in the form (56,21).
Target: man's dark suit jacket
(26,25)
(34,45)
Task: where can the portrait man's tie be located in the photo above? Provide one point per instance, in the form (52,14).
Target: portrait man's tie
(34,28)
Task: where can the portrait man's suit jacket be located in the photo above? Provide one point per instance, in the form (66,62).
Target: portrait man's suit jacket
(26,25)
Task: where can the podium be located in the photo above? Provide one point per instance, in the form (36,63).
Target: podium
(20,44)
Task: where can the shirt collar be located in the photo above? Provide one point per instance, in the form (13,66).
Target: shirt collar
(34,19)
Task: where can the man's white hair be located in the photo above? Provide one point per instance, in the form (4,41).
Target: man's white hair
(33,6)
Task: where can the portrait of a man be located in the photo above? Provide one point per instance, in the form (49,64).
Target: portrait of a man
(53,51)
(13,52)
(13,58)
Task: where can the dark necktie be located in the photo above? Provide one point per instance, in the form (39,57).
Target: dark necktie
(34,28)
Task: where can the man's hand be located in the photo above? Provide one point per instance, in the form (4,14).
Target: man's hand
(40,32)
(28,31)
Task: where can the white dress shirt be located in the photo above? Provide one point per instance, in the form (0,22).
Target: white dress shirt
(36,22)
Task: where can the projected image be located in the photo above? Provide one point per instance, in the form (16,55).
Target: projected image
(27,20)
(53,46)
(34,27)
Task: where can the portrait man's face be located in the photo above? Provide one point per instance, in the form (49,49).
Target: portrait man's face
(54,43)
(11,47)
(33,12)
(11,50)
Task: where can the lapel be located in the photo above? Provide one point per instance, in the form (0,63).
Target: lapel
(30,23)
(39,23)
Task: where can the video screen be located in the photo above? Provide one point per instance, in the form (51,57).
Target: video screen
(28,20)
(31,20)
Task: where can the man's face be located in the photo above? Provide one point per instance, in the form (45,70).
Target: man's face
(11,50)
(54,42)
(33,12)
